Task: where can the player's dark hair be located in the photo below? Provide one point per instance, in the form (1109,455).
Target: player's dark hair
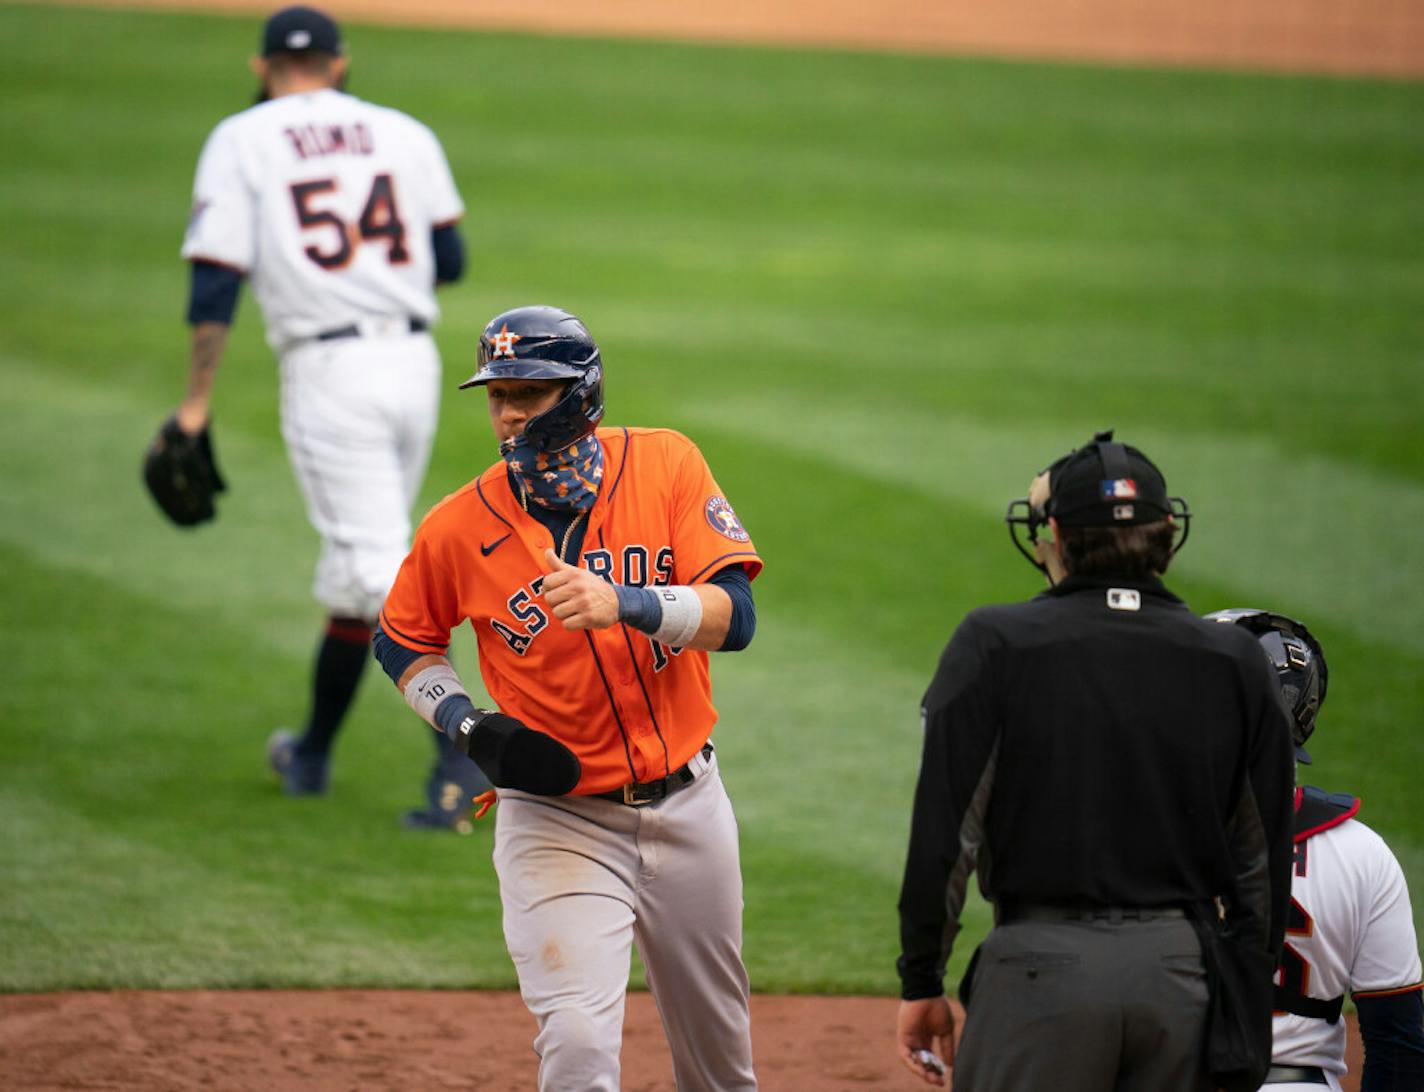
(1143,550)
(310,62)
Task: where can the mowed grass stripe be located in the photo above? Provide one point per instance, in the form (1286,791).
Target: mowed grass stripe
(1277,526)
(173,773)
(1318,173)
(151,847)
(158,808)
(75,499)
(879,292)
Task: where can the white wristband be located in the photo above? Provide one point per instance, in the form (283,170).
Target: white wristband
(682,615)
(429,688)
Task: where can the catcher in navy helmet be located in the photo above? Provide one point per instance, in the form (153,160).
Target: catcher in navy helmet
(1299,662)
(1351,927)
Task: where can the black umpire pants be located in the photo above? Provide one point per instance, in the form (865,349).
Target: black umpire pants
(1096,1005)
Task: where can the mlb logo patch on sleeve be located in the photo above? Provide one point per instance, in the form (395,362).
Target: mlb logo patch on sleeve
(1119,488)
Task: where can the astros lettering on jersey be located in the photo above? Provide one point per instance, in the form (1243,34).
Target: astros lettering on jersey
(320,182)
(630,708)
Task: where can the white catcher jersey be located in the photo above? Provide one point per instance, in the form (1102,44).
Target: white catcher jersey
(1350,929)
(327,202)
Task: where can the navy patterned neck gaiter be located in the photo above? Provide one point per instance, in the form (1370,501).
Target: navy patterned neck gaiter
(566,479)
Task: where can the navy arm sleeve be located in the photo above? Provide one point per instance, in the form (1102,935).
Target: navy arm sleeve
(393,656)
(733,580)
(212,293)
(449,254)
(1392,1030)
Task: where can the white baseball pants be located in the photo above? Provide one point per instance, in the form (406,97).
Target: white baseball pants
(581,879)
(358,416)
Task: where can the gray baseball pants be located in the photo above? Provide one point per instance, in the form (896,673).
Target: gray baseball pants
(1086,1006)
(581,880)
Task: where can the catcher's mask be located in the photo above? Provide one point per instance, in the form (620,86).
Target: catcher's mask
(1299,662)
(1101,484)
(546,343)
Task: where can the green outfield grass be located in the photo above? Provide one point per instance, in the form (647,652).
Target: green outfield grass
(880,292)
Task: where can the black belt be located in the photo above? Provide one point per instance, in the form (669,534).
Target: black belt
(1046,911)
(417,326)
(638,793)
(1295,1074)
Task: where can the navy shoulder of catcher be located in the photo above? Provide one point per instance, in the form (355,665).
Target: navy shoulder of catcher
(1317,810)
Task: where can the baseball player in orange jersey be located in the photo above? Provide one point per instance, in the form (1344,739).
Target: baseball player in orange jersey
(597,566)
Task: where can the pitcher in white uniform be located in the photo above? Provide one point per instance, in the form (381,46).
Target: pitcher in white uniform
(343,215)
(1349,928)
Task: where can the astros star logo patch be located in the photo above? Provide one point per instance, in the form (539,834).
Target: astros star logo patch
(504,343)
(724,521)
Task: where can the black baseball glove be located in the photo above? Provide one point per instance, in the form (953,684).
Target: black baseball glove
(182,474)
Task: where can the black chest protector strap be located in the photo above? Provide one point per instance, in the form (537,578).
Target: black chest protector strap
(1317,811)
(1300,1005)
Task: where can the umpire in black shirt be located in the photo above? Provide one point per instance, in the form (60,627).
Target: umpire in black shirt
(1108,762)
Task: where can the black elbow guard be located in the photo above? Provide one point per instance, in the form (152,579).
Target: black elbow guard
(514,756)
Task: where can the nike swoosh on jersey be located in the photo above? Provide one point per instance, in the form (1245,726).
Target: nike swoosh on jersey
(492,547)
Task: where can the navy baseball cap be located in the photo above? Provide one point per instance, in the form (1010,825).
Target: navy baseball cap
(300,30)
(1106,484)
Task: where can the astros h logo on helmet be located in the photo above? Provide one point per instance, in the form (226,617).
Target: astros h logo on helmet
(503,343)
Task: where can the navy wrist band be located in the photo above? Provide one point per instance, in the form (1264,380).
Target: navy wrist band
(639,607)
(451,713)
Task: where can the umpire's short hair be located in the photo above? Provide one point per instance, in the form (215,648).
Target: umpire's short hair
(1137,551)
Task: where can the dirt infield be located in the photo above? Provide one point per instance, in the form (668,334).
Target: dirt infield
(396,1039)
(1363,37)
(352,1039)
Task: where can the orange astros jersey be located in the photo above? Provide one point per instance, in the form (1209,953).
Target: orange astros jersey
(630,708)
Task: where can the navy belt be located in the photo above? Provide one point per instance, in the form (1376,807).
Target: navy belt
(417,326)
(1045,911)
(637,794)
(1295,1074)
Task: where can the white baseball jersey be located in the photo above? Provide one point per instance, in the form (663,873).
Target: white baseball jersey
(327,202)
(1350,929)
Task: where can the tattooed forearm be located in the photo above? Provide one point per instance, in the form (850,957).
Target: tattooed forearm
(209,340)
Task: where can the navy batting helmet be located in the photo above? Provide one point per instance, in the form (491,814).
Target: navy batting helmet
(1299,662)
(546,343)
